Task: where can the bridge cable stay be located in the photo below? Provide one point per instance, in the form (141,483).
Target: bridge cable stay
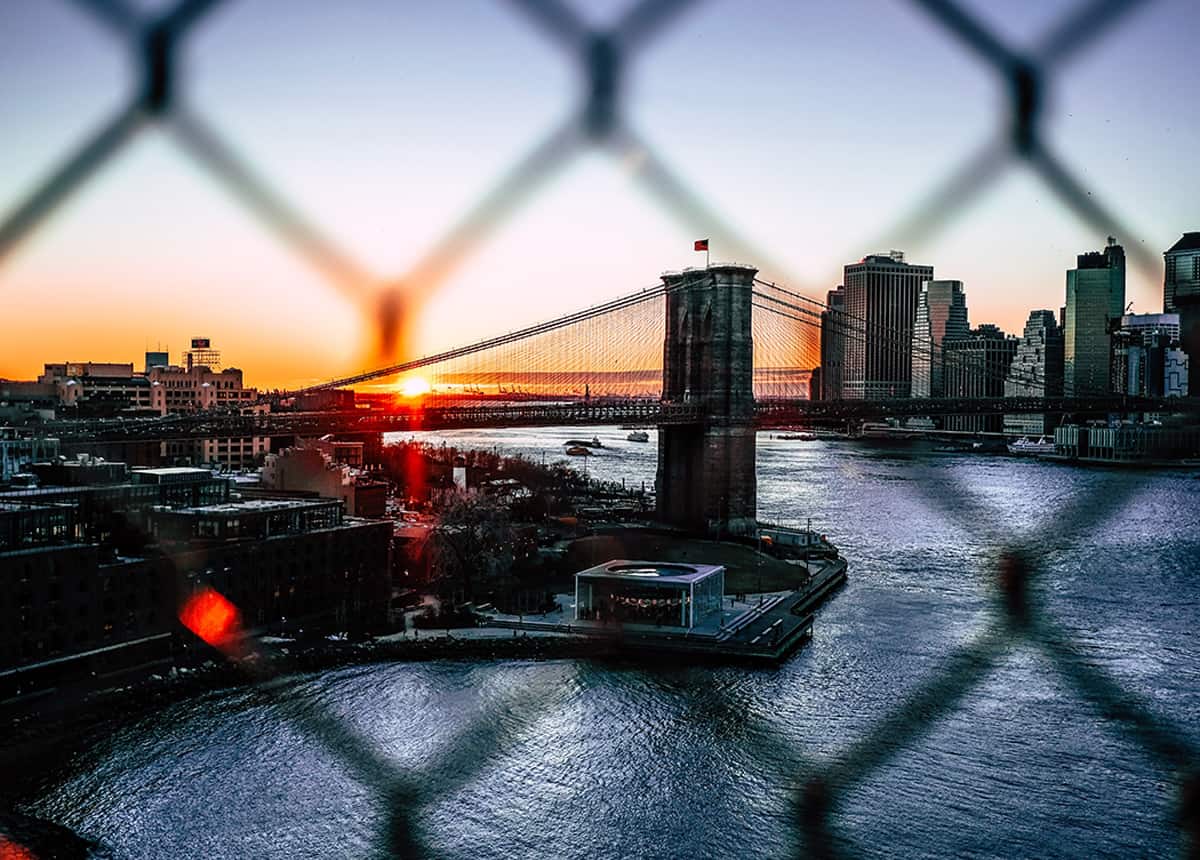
(981,365)
(858,329)
(612,349)
(618,353)
(784,355)
(628,300)
(923,346)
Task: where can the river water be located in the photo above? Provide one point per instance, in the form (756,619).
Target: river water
(585,759)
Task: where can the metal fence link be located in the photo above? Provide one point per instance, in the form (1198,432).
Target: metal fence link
(603,59)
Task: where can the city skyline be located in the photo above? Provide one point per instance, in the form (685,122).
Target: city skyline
(178,356)
(583,428)
(141,235)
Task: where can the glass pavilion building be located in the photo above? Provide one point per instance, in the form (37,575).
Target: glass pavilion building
(649,592)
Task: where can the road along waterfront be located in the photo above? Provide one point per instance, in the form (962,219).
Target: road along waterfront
(616,759)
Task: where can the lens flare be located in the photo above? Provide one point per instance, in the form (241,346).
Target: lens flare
(10,850)
(211,617)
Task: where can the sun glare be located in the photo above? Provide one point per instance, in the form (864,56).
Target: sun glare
(415,386)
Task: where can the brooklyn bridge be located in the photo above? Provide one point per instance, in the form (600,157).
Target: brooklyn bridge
(709,356)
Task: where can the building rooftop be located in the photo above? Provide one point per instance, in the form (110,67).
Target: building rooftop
(173,475)
(255,506)
(894,258)
(9,506)
(163,471)
(658,571)
(1188,242)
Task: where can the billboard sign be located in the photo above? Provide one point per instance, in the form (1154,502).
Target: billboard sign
(201,343)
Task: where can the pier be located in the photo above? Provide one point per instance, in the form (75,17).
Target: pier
(768,630)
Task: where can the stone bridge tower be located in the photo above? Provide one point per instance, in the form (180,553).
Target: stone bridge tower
(706,470)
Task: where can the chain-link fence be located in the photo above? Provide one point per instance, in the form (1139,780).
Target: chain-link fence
(600,121)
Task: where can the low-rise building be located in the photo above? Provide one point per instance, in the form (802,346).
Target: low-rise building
(84,604)
(21,448)
(230,453)
(649,592)
(197,388)
(1127,444)
(330,399)
(98,388)
(23,400)
(287,564)
(338,451)
(312,470)
(114,514)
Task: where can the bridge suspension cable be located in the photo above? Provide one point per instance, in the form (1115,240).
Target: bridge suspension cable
(614,348)
(863,331)
(627,301)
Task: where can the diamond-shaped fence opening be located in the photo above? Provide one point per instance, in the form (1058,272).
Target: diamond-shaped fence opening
(598,120)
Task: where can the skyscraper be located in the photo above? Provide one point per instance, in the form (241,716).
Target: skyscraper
(1036,371)
(881,308)
(977,366)
(833,345)
(1095,303)
(941,316)
(1146,358)
(1181,295)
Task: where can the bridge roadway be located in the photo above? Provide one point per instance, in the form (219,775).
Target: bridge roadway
(769,414)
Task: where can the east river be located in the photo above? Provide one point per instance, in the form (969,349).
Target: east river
(582,759)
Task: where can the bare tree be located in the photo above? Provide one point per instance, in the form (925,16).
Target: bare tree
(472,544)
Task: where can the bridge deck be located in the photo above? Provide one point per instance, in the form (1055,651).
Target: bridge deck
(768,413)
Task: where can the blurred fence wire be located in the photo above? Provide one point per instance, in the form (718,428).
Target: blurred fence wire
(598,121)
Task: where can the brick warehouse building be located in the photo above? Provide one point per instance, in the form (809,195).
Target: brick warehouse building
(91,578)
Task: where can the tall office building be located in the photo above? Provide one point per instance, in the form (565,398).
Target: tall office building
(881,309)
(1181,295)
(977,366)
(941,316)
(1036,371)
(833,345)
(1095,303)
(1146,357)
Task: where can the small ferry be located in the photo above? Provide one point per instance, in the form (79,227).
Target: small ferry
(798,437)
(1032,447)
(638,436)
(578,451)
(583,443)
(804,543)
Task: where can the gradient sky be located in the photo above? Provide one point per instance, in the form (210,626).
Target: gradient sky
(812,127)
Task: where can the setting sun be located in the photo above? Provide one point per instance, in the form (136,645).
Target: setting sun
(414,386)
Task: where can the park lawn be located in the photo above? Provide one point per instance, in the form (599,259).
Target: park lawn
(747,571)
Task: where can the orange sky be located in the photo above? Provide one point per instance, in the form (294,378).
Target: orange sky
(385,149)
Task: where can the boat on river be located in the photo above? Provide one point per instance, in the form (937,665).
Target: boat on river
(578,451)
(788,542)
(1028,446)
(638,436)
(584,443)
